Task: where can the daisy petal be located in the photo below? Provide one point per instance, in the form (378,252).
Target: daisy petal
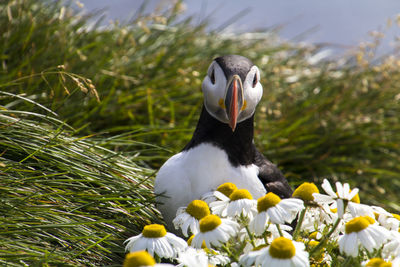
(353,193)
(328,188)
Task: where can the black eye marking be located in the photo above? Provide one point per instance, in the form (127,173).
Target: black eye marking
(212,76)
(255,80)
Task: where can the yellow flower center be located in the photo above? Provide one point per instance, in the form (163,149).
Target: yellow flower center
(240,194)
(305,191)
(378,262)
(227,188)
(356,225)
(313,243)
(313,235)
(198,209)
(369,219)
(282,248)
(397,216)
(334,210)
(209,223)
(374,262)
(267,201)
(138,258)
(355,199)
(203,245)
(154,231)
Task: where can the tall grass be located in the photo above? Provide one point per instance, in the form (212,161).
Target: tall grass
(81,105)
(64,199)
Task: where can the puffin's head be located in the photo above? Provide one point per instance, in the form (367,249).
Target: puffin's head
(232,89)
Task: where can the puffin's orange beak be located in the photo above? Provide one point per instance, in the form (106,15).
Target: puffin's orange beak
(234,100)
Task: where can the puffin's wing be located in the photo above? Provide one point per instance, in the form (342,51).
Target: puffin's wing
(272,177)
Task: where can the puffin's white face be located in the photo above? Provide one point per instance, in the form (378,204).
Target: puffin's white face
(232,89)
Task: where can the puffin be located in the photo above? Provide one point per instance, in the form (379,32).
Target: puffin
(222,148)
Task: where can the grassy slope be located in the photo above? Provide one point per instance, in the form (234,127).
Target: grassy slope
(315,121)
(66,199)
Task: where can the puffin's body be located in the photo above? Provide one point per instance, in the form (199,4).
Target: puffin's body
(221,149)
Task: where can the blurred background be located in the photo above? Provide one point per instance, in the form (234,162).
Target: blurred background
(340,24)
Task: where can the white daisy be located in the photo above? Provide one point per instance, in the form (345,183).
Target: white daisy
(388,220)
(392,248)
(142,258)
(343,193)
(155,239)
(214,257)
(283,252)
(316,218)
(241,202)
(214,231)
(248,259)
(192,257)
(188,218)
(362,231)
(220,205)
(226,189)
(357,209)
(276,210)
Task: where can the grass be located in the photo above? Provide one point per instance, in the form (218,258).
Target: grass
(88,114)
(66,200)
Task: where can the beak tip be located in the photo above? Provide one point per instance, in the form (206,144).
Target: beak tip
(233,126)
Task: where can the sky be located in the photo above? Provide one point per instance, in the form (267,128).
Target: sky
(343,24)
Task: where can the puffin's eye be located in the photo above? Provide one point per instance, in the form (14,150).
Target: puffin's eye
(255,80)
(212,76)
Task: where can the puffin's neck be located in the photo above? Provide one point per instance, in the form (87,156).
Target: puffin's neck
(238,144)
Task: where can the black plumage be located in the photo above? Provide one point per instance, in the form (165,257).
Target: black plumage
(234,64)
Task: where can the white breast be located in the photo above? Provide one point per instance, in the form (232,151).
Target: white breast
(188,175)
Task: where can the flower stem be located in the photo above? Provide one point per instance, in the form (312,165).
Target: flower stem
(265,240)
(250,236)
(328,235)
(347,261)
(230,254)
(279,229)
(299,223)
(246,226)
(157,258)
(369,254)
